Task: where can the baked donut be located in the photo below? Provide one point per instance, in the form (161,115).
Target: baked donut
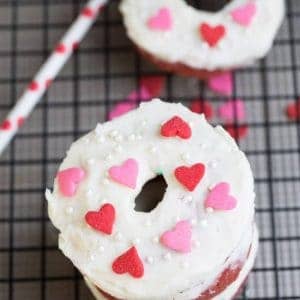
(200,240)
(179,38)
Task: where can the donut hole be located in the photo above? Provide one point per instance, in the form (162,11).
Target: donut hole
(151,194)
(208,5)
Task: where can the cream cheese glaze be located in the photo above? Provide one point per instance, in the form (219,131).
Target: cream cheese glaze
(228,293)
(216,235)
(182,43)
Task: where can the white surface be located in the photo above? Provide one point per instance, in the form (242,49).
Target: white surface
(217,241)
(183,44)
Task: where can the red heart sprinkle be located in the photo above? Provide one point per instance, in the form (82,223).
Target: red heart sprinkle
(6,125)
(102,220)
(33,86)
(293,111)
(153,84)
(202,107)
(87,12)
(20,121)
(60,48)
(212,34)
(176,127)
(237,131)
(129,262)
(190,176)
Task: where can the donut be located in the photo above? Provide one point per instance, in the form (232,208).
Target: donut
(198,241)
(182,39)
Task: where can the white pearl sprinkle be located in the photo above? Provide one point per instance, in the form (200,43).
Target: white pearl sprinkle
(136,241)
(213,164)
(177,219)
(101,139)
(196,243)
(118,148)
(188,199)
(155,239)
(118,236)
(69,210)
(150,260)
(191,124)
(98,129)
(209,210)
(139,136)
(185,265)
(144,123)
(132,137)
(113,133)
(167,256)
(119,138)
(185,157)
(89,193)
(204,223)
(193,222)
(108,157)
(92,257)
(153,149)
(101,249)
(91,161)
(86,140)
(105,181)
(148,223)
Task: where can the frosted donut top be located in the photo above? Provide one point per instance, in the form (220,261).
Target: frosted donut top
(175,32)
(206,211)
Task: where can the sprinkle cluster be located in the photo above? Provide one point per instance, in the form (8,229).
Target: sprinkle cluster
(179,237)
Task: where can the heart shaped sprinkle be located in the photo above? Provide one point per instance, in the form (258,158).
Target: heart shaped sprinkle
(129,262)
(212,34)
(178,238)
(176,127)
(126,174)
(202,107)
(221,83)
(102,220)
(161,21)
(293,111)
(243,15)
(69,179)
(220,199)
(190,176)
(237,131)
(232,110)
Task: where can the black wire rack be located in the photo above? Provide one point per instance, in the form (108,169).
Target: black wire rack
(102,72)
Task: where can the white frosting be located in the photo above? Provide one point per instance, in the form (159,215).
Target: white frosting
(227,294)
(217,236)
(183,44)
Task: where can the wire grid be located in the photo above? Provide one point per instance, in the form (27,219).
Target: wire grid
(102,72)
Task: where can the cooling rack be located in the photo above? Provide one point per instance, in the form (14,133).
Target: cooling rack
(102,72)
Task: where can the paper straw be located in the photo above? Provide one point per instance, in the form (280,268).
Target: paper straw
(41,82)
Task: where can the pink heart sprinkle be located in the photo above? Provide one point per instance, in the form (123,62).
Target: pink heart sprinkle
(179,238)
(129,104)
(244,15)
(69,179)
(162,20)
(232,110)
(222,83)
(125,174)
(219,198)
